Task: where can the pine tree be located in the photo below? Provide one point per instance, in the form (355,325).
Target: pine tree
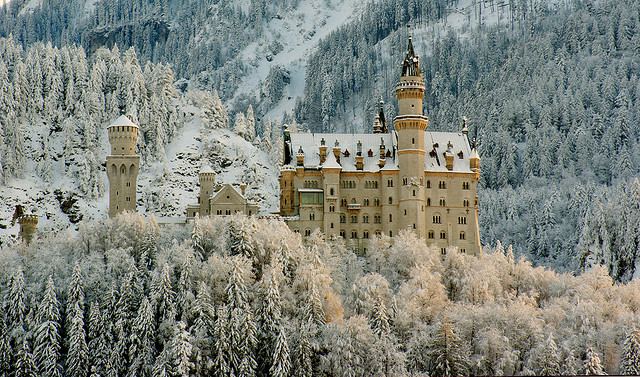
(222,361)
(5,348)
(630,360)
(380,320)
(163,296)
(280,363)
(77,357)
(447,355)
(239,237)
(240,126)
(25,364)
(47,349)
(142,346)
(269,322)
(549,363)
(182,351)
(592,365)
(17,307)
(302,365)
(570,366)
(98,345)
(251,125)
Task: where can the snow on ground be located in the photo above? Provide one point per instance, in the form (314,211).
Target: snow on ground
(299,32)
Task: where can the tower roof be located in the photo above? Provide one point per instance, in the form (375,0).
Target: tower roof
(410,64)
(123,120)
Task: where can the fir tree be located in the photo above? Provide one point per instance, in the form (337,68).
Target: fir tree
(447,355)
(549,363)
(47,336)
(25,364)
(380,320)
(592,365)
(142,346)
(98,344)
(182,351)
(17,308)
(302,365)
(570,366)
(5,348)
(280,362)
(78,354)
(630,360)
(223,356)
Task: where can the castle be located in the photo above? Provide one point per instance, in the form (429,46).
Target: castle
(122,170)
(359,185)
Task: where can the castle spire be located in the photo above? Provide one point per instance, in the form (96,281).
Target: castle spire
(383,122)
(410,65)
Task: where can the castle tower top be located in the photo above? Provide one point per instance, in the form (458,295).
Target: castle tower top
(123,135)
(410,65)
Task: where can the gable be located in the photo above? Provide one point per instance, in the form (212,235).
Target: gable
(228,195)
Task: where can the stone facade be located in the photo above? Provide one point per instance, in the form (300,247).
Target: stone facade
(122,166)
(221,200)
(358,185)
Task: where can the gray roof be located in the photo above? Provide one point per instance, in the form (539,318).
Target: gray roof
(434,141)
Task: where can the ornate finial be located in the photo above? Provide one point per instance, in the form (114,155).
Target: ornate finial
(336,144)
(322,142)
(473,144)
(359,147)
(300,150)
(465,130)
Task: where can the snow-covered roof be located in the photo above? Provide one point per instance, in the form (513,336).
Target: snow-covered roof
(206,169)
(310,144)
(435,145)
(123,120)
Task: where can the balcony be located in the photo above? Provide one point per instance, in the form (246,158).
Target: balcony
(353,206)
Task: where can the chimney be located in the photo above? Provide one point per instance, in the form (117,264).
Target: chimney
(448,156)
(243,187)
(336,151)
(323,151)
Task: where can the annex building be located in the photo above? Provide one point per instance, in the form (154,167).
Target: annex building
(357,185)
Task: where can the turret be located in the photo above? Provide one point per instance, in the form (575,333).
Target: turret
(474,158)
(410,89)
(323,151)
(122,165)
(28,225)
(207,179)
(336,151)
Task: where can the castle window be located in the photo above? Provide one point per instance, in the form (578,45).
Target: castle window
(465,185)
(128,199)
(405,181)
(413,140)
(462,236)
(365,219)
(376,202)
(442,185)
(365,234)
(353,200)
(443,235)
(428,202)
(465,203)
(354,234)
(219,212)
(476,201)
(342,233)
(123,168)
(436,219)
(366,202)
(428,184)
(332,208)
(128,184)
(431,234)
(343,219)
(312,216)
(390,234)
(462,220)
(117,192)
(405,212)
(442,202)
(378,233)
(354,219)
(311,198)
(331,191)
(228,212)
(307,232)
(296,231)
(377,219)
(331,225)
(414,192)
(343,202)
(390,183)
(443,251)
(390,218)
(390,200)
(463,250)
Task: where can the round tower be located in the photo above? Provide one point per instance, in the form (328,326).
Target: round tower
(207,179)
(28,225)
(122,165)
(410,125)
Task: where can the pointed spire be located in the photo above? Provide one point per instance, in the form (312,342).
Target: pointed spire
(465,129)
(383,122)
(410,65)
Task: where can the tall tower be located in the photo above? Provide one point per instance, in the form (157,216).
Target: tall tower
(207,179)
(122,165)
(411,125)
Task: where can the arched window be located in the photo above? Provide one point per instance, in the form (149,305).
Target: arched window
(436,219)
(442,202)
(465,203)
(443,235)
(354,234)
(404,181)
(462,235)
(428,202)
(307,232)
(431,234)
(365,234)
(390,218)
(365,219)
(428,184)
(332,208)
(331,191)
(353,200)
(366,202)
(390,200)
(312,216)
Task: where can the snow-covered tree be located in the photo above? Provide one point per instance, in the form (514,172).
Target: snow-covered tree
(182,351)
(77,363)
(630,360)
(592,366)
(141,351)
(25,365)
(47,334)
(447,356)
